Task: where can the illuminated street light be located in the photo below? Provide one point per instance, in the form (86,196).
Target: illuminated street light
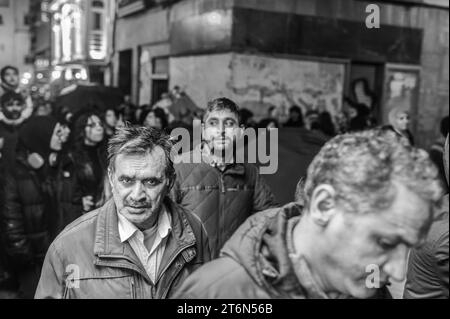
(56,75)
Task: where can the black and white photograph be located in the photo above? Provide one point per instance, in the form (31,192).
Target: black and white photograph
(222,154)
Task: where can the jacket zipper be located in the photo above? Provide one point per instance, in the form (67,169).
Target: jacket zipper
(164,295)
(133,292)
(170,263)
(173,258)
(221,218)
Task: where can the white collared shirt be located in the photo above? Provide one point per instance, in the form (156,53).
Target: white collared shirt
(150,259)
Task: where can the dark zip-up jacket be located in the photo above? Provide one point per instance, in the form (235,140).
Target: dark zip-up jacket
(88,260)
(223,200)
(255,264)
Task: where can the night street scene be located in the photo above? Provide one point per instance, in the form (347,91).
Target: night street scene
(224,150)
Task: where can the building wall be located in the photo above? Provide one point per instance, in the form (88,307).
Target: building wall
(155,27)
(433,100)
(14,35)
(257,82)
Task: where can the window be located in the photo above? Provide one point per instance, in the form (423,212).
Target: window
(97,21)
(27,19)
(160,78)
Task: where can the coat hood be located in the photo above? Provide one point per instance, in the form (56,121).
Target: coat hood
(259,245)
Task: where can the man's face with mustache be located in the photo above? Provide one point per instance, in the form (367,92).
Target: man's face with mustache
(13,109)
(220,129)
(139,185)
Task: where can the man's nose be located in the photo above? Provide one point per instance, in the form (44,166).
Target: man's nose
(137,194)
(396,265)
(222,128)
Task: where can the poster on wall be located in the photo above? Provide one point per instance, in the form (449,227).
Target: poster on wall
(259,82)
(401,89)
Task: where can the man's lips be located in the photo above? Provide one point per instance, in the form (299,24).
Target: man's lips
(139,208)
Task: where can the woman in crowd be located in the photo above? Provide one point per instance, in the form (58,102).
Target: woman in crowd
(31,205)
(399,124)
(155,118)
(88,152)
(111,120)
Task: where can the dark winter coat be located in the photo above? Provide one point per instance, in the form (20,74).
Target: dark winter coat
(27,214)
(255,263)
(222,199)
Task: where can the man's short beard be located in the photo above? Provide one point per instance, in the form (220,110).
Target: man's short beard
(12,115)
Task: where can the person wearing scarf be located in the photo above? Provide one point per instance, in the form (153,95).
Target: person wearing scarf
(399,119)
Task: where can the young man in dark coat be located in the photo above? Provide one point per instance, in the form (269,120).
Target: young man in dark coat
(220,191)
(367,201)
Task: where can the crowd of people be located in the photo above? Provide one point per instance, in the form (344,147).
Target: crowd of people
(93,205)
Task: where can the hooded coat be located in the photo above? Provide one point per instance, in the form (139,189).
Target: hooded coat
(255,263)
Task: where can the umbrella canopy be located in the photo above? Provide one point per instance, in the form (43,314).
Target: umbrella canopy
(81,98)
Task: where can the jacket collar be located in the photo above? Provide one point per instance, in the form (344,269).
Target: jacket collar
(107,238)
(262,247)
(231,168)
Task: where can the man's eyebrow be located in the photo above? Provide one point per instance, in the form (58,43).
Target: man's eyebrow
(126,176)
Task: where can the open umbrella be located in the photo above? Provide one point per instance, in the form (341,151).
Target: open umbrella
(79,98)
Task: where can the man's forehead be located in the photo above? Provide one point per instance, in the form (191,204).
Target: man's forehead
(221,114)
(153,162)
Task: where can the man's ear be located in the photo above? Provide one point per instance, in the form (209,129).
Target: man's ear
(322,204)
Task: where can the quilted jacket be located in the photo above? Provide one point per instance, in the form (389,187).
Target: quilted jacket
(222,199)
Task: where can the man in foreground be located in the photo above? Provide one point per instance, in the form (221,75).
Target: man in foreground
(139,244)
(367,201)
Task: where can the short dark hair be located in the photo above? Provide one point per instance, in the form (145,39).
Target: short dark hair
(221,104)
(11,96)
(140,140)
(6,68)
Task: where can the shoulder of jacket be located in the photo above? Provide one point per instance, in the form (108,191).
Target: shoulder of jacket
(84,223)
(219,278)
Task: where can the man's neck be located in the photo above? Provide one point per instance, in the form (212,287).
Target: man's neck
(222,157)
(306,246)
